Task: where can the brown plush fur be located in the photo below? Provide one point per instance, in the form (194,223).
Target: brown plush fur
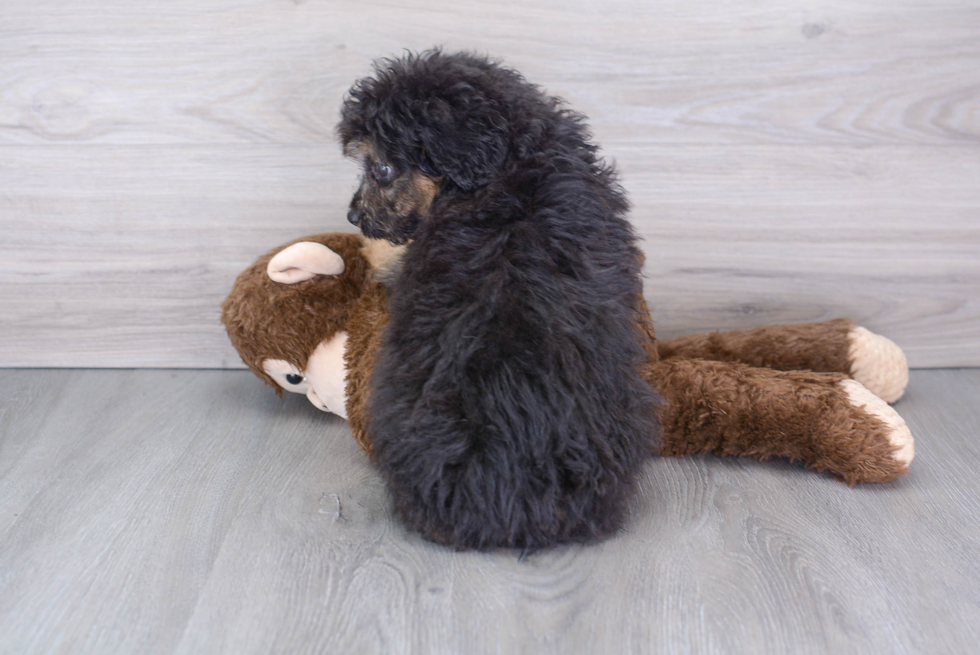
(367,320)
(772,391)
(767,392)
(270,320)
(805,346)
(729,408)
(647,333)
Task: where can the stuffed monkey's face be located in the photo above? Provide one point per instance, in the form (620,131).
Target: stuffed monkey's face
(323,380)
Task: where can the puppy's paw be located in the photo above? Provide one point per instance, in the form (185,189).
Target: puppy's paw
(878,364)
(886,448)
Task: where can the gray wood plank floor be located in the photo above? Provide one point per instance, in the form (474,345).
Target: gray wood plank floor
(194,512)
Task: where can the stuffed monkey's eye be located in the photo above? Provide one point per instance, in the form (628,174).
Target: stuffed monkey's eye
(286,376)
(383,173)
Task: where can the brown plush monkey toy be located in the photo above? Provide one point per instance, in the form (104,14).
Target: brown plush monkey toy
(308,316)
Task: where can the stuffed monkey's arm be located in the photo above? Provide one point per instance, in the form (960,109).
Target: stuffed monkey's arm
(367,320)
(823,419)
(837,346)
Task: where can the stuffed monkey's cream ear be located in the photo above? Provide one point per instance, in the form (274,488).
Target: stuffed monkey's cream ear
(304,260)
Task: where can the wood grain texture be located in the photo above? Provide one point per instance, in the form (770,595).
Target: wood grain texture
(225,520)
(787,161)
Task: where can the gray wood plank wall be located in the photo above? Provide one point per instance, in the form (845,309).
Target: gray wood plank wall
(788,161)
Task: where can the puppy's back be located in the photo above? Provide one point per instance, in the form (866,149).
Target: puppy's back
(507,407)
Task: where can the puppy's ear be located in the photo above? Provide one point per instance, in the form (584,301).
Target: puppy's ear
(466,140)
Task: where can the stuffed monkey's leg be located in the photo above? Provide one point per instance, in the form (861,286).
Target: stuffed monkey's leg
(837,346)
(824,419)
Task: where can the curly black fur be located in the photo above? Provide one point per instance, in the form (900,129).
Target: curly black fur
(507,408)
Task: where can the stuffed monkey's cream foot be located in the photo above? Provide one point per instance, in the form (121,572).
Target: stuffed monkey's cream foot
(878,364)
(894,429)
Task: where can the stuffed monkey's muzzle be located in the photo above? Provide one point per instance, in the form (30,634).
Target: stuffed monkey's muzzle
(326,373)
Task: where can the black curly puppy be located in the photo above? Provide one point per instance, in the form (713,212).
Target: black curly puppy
(506,407)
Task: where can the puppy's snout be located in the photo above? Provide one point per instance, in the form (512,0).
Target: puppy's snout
(354,216)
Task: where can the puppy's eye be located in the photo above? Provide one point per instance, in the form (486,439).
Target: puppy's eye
(293,378)
(383,173)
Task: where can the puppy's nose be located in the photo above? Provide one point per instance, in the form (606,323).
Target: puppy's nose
(353,217)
